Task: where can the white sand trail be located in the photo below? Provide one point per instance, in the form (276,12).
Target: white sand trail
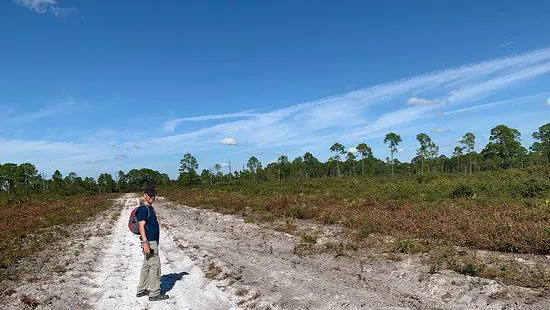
(117,277)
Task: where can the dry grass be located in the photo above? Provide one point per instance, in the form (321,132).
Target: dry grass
(435,228)
(29,301)
(506,269)
(241,292)
(26,227)
(212,271)
(7,292)
(507,227)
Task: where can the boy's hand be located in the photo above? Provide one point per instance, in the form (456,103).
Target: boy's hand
(146,249)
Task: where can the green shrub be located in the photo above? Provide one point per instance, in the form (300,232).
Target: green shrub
(405,245)
(365,231)
(426,178)
(470,268)
(462,191)
(308,239)
(534,187)
(300,212)
(329,218)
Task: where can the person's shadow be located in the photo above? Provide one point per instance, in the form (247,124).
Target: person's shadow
(168,281)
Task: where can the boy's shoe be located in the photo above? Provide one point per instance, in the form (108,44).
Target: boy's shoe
(159,297)
(141,294)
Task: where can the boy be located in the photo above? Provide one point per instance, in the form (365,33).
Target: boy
(149,282)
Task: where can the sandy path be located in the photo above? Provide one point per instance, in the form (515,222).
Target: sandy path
(118,274)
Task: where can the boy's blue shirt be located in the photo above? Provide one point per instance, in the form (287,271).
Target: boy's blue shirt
(152,229)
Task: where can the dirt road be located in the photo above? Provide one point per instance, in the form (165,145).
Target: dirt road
(215,261)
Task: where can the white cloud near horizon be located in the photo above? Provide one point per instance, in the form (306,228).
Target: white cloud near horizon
(229,141)
(47,154)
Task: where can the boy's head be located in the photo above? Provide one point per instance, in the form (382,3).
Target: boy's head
(149,194)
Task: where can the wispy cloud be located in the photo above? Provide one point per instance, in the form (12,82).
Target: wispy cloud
(422,101)
(229,141)
(44,113)
(106,160)
(6,110)
(355,112)
(16,147)
(120,157)
(482,90)
(50,155)
(38,6)
(441,130)
(506,44)
(357,115)
(171,125)
(47,6)
(494,104)
(548,101)
(67,104)
(350,118)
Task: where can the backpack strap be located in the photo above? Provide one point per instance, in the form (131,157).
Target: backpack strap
(148,211)
(148,214)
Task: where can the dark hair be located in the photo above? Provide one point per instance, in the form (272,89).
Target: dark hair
(150,191)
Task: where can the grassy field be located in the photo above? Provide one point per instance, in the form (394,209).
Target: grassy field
(508,227)
(483,187)
(30,226)
(506,211)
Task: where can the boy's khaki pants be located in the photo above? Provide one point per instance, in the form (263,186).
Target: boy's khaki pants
(150,271)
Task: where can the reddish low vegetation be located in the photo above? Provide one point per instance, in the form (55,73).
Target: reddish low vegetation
(506,227)
(26,227)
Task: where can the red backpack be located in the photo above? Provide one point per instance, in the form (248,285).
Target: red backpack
(133,224)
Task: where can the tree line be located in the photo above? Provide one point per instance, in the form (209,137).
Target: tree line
(504,150)
(22,182)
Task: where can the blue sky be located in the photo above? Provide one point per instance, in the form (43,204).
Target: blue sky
(101,86)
